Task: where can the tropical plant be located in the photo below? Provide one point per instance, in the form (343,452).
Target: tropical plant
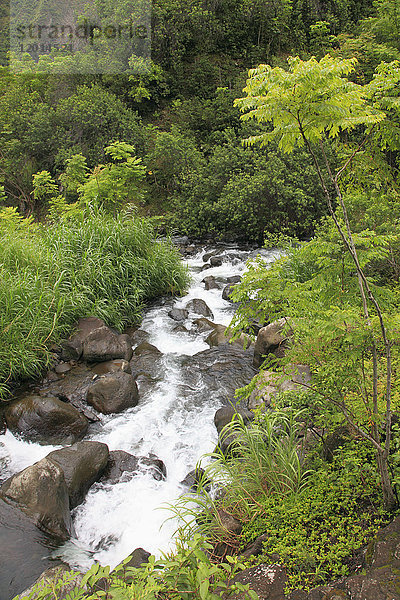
(307,104)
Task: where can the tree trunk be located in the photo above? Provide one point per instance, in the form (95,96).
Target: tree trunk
(389,499)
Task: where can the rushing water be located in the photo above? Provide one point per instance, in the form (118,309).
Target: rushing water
(115,519)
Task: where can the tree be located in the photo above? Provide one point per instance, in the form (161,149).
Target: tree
(307,105)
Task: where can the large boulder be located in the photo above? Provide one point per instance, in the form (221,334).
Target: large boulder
(219,335)
(52,576)
(227,291)
(201,325)
(267,384)
(25,551)
(210,283)
(147,366)
(216,373)
(178,314)
(113,393)
(199,307)
(82,465)
(267,580)
(95,342)
(196,479)
(103,344)
(46,419)
(41,492)
(122,465)
(227,441)
(272,339)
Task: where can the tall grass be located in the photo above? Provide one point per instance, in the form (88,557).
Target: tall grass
(51,276)
(262,462)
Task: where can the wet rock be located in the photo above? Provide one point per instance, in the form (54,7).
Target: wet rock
(147,366)
(178,314)
(180,329)
(219,336)
(82,465)
(210,283)
(103,344)
(268,384)
(25,551)
(41,493)
(268,581)
(203,324)
(254,548)
(138,336)
(216,261)
(205,267)
(111,366)
(233,279)
(195,479)
(138,557)
(227,414)
(208,255)
(50,577)
(146,348)
(72,348)
(216,373)
(113,393)
(272,339)
(46,420)
(62,368)
(199,307)
(230,529)
(227,441)
(122,466)
(226,292)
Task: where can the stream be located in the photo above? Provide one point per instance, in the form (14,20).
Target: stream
(171,420)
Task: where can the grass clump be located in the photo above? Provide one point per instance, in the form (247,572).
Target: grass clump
(101,265)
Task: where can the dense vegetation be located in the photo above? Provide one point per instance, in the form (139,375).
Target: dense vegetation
(321,161)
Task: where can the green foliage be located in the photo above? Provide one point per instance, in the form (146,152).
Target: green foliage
(99,265)
(319,534)
(187,574)
(261,463)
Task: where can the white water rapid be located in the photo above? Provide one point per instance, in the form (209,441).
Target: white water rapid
(116,519)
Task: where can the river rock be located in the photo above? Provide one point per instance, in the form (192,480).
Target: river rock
(25,551)
(227,441)
(147,366)
(121,464)
(41,492)
(267,384)
(201,325)
(233,279)
(272,339)
(220,371)
(226,414)
(208,255)
(82,465)
(113,393)
(267,580)
(216,261)
(111,366)
(72,348)
(226,292)
(205,267)
(138,557)
(219,335)
(103,344)
(46,420)
(196,478)
(178,314)
(210,283)
(199,307)
(52,576)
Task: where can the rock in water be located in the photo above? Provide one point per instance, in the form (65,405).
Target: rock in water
(46,420)
(198,306)
(25,551)
(41,493)
(113,393)
(82,465)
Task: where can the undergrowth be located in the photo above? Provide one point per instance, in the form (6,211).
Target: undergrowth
(52,275)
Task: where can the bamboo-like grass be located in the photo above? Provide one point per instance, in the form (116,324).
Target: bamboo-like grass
(50,276)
